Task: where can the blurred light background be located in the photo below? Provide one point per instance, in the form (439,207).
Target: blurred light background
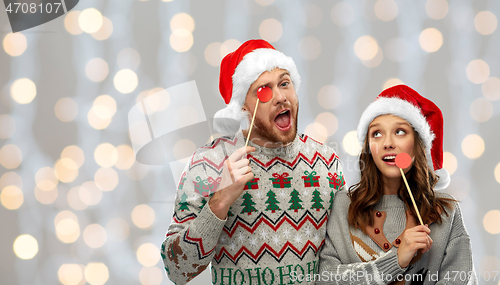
(76,208)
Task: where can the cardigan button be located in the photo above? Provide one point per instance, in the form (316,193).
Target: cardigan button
(377,231)
(398,241)
(378,214)
(386,246)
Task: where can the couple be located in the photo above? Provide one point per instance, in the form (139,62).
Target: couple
(266,214)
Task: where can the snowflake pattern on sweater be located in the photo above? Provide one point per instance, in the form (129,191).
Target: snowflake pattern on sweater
(274,230)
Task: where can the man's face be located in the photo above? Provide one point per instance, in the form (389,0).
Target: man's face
(276,120)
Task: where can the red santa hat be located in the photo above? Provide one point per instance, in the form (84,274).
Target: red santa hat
(424,116)
(238,70)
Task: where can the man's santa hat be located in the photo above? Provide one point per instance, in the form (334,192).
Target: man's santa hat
(423,115)
(238,70)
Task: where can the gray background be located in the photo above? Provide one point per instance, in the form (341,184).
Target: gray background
(55,61)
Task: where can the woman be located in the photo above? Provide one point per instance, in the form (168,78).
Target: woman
(373,235)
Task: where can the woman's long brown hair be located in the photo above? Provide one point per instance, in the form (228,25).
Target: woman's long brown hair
(369,190)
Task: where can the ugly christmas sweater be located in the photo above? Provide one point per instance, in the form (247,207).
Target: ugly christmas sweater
(351,256)
(273,231)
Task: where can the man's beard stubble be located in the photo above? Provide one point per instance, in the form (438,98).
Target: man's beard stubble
(270,134)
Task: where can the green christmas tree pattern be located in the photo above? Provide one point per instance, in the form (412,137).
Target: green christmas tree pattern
(317,201)
(163,255)
(248,204)
(183,179)
(183,203)
(163,249)
(332,195)
(229,213)
(272,202)
(295,205)
(203,203)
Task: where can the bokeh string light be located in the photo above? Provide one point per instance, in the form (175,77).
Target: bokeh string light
(67,227)
(106,179)
(11,156)
(147,254)
(143,216)
(393,81)
(128,58)
(96,273)
(15,44)
(71,274)
(271,30)
(90,20)
(350,143)
(450,162)
(66,155)
(11,197)
(25,246)
(436,9)
(105,31)
(343,14)
(66,109)
(386,10)
(97,69)
(23,90)
(478,71)
(151,276)
(366,47)
(126,81)
(317,131)
(431,40)
(485,22)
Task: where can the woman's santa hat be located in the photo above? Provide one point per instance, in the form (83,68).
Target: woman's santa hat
(238,70)
(424,116)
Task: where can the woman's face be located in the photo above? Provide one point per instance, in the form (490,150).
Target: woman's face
(389,136)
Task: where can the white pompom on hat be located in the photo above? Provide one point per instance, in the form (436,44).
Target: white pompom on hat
(423,115)
(238,71)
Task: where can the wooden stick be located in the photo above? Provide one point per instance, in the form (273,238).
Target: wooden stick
(251,125)
(411,196)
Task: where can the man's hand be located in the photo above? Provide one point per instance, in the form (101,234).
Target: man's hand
(412,240)
(235,175)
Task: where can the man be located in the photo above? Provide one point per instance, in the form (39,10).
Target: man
(257,213)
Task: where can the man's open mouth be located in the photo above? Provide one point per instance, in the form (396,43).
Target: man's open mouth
(283,120)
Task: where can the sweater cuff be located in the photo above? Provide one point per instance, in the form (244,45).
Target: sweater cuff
(214,215)
(388,264)
(208,226)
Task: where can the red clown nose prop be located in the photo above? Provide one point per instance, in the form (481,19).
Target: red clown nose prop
(264,94)
(403,160)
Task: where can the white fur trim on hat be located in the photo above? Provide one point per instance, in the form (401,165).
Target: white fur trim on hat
(248,70)
(444,179)
(403,109)
(227,120)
